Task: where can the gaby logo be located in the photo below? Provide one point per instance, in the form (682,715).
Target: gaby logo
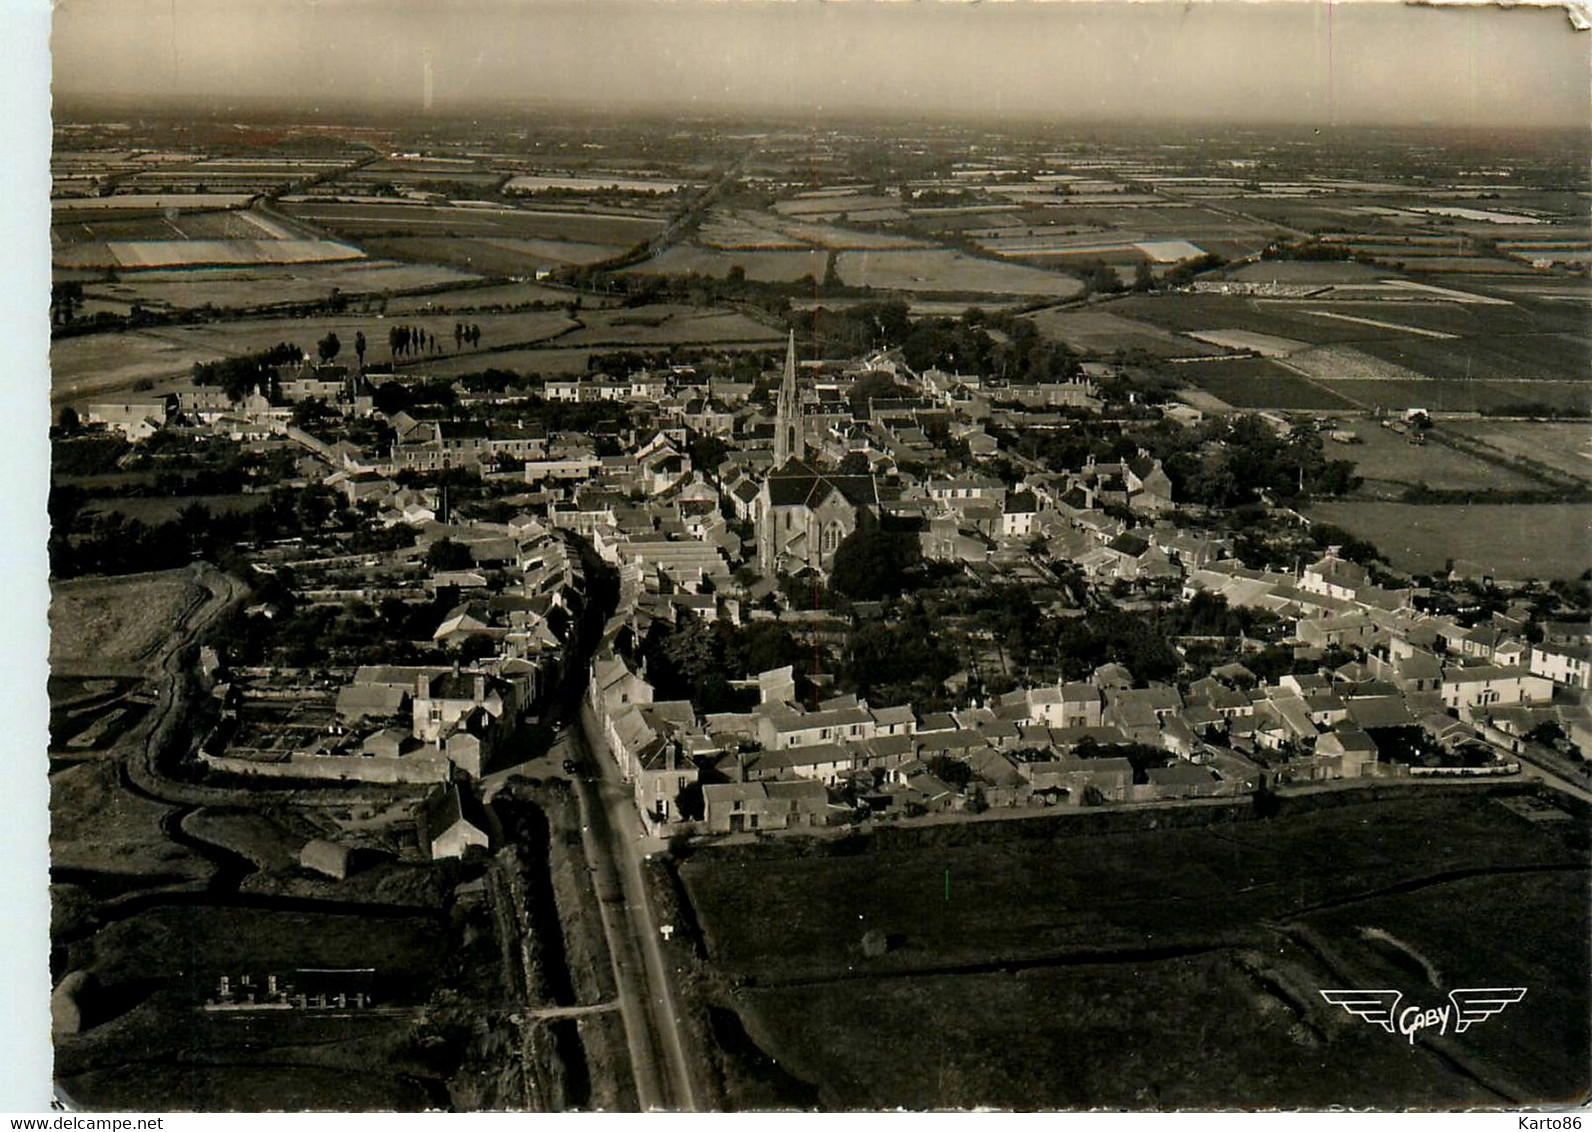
(1466,1006)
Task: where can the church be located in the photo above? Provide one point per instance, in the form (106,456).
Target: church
(803,513)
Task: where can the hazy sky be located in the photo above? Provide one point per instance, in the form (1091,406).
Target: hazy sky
(1304,61)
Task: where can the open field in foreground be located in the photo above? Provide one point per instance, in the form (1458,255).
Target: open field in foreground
(1057,965)
(1513,541)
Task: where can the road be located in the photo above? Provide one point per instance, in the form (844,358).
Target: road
(611,834)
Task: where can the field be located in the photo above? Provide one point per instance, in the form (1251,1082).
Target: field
(357,221)
(1259,383)
(1297,271)
(1516,542)
(1102,332)
(760,266)
(941,269)
(662,324)
(91,366)
(154,968)
(1520,397)
(99,826)
(115,624)
(1562,447)
(257,285)
(503,295)
(1389,462)
(1172,967)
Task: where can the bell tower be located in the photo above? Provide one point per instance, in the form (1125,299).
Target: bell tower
(789,442)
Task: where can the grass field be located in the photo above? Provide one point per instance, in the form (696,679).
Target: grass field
(1160,967)
(1259,383)
(760,265)
(258,285)
(85,367)
(1466,396)
(941,269)
(1389,462)
(667,325)
(1101,331)
(132,255)
(1563,447)
(356,221)
(116,623)
(99,826)
(1517,542)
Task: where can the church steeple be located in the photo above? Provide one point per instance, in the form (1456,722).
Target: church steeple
(789,441)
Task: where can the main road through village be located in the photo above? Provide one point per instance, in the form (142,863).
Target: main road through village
(612,836)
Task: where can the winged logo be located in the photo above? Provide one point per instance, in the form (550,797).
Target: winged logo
(1477,1004)
(1371,1005)
(1467,1006)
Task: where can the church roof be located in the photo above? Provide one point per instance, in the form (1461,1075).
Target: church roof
(796,484)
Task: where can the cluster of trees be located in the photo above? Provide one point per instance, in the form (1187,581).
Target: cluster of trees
(696,659)
(241,376)
(1234,461)
(1017,351)
(413,341)
(874,562)
(88,541)
(899,661)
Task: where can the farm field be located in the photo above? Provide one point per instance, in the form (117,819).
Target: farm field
(258,285)
(1167,967)
(763,266)
(1389,462)
(1512,541)
(1522,397)
(355,221)
(502,295)
(1100,331)
(1259,383)
(248,336)
(1302,271)
(200,253)
(493,255)
(91,365)
(941,269)
(1563,447)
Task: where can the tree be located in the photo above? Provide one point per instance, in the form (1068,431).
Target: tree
(1143,277)
(68,422)
(445,554)
(328,347)
(359,348)
(872,563)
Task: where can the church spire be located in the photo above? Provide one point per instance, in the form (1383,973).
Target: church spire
(789,441)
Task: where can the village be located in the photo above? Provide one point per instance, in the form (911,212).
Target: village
(847,531)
